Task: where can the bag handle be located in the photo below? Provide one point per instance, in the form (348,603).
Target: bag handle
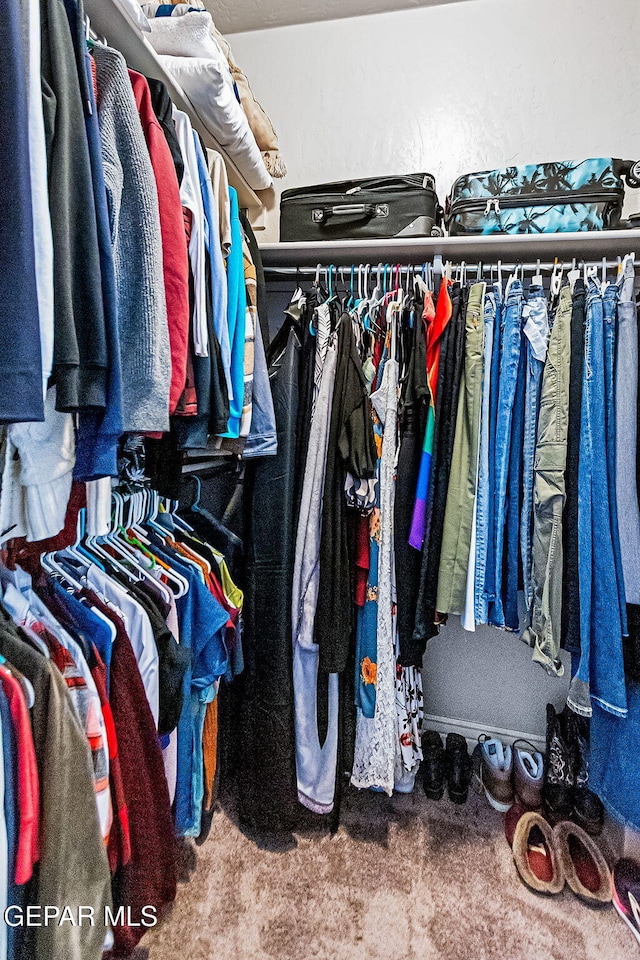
(350,211)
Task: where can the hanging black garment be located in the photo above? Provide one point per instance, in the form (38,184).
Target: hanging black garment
(268,792)
(80,345)
(450,373)
(570,595)
(351,449)
(305,391)
(162,107)
(261,287)
(412,417)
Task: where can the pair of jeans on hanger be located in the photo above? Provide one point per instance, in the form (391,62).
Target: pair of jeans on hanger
(600,675)
(510,414)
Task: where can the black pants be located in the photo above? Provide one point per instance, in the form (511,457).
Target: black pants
(267,791)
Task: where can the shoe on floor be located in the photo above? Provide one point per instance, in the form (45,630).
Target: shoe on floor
(433,765)
(558,779)
(458,764)
(492,769)
(583,864)
(587,808)
(626,893)
(528,774)
(536,856)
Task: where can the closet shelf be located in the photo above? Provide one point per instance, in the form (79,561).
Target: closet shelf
(112,22)
(514,248)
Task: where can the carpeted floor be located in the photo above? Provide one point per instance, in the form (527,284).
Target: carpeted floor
(404,878)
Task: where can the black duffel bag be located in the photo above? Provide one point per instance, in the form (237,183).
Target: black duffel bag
(378,207)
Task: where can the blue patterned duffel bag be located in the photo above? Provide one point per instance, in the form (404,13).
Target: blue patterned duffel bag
(572,195)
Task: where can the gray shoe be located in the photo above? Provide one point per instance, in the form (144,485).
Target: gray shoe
(493,771)
(528,774)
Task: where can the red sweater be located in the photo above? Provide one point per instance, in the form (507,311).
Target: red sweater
(174,247)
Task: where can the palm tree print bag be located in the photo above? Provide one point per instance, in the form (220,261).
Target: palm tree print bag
(572,195)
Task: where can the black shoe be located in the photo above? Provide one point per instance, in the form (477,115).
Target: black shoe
(588,811)
(433,765)
(458,768)
(557,792)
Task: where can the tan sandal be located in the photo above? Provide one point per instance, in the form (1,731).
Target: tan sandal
(536,855)
(583,864)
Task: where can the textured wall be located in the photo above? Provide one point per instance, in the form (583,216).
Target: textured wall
(452,89)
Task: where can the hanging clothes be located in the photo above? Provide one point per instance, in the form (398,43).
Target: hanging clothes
(316,761)
(20,346)
(375,749)
(133,199)
(351,450)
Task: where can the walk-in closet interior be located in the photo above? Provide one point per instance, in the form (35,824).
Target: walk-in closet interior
(319,480)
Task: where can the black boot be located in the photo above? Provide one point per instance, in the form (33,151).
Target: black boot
(432,765)
(458,764)
(588,811)
(558,778)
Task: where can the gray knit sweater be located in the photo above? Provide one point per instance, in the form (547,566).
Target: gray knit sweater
(137,249)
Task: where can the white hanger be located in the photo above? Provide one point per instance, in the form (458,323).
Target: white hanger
(536,280)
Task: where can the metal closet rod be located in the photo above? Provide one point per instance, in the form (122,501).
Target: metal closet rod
(492,264)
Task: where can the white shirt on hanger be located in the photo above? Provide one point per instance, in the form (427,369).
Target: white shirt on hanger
(192,200)
(138,627)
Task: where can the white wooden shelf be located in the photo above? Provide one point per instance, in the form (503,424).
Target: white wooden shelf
(513,248)
(112,22)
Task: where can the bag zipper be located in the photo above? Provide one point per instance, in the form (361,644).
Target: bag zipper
(423,183)
(531,200)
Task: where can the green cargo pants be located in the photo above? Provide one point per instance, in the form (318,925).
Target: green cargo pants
(458,517)
(543,633)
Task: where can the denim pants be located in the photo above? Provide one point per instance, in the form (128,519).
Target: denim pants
(458,520)
(600,675)
(536,331)
(614,762)
(543,631)
(511,337)
(483,494)
(490,565)
(626,398)
(609,305)
(513,501)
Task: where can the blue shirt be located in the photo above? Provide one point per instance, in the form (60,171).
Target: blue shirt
(236,313)
(202,623)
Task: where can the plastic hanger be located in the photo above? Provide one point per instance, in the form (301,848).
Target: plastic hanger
(537,278)
(49,562)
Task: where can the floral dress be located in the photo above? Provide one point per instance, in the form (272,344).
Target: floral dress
(376,737)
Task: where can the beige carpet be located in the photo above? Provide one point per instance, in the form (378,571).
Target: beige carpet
(403,878)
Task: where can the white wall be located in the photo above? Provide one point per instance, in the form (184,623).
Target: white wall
(451,89)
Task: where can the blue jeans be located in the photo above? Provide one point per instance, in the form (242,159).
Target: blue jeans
(512,505)
(600,673)
(483,493)
(609,306)
(490,567)
(536,317)
(509,361)
(614,762)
